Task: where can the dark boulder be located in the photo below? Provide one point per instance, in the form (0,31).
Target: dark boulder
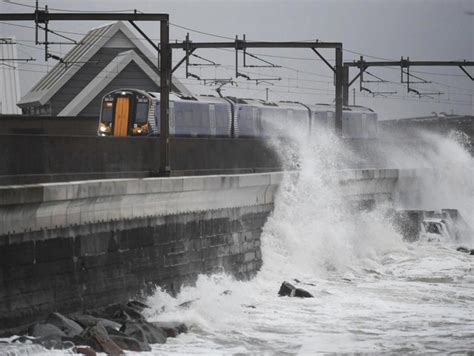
(130,343)
(172,329)
(287,289)
(88,320)
(127,342)
(187,304)
(53,342)
(85,351)
(138,306)
(98,338)
(144,331)
(66,325)
(465,250)
(42,330)
(119,313)
(301,293)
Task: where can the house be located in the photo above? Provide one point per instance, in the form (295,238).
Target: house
(107,58)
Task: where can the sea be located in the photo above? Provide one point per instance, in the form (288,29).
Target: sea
(373,291)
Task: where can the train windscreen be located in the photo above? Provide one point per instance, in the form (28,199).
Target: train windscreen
(107,112)
(141,115)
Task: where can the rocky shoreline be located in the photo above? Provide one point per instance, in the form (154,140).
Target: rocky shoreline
(112,330)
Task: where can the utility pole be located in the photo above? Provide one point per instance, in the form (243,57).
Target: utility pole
(266,94)
(354,96)
(165,85)
(339,84)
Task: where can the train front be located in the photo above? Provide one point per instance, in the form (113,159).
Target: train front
(126,112)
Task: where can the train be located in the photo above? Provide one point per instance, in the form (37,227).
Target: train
(135,112)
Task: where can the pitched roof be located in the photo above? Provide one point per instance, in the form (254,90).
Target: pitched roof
(95,39)
(103,79)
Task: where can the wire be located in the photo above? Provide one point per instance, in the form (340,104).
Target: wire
(226,37)
(201,32)
(260,54)
(64,10)
(435,82)
(223,37)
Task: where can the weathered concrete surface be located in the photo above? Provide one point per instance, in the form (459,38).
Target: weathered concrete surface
(77,245)
(27,208)
(49,206)
(26,159)
(98,264)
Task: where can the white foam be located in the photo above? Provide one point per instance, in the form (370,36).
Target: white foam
(373,292)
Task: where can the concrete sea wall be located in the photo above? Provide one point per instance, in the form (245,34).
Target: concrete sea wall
(78,245)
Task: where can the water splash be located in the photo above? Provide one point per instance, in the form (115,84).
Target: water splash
(314,228)
(445,168)
(374,292)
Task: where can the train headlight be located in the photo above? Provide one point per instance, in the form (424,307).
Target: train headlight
(104,128)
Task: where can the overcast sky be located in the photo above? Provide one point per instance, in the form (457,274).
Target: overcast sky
(388,29)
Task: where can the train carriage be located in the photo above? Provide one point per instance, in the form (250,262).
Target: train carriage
(247,118)
(322,117)
(359,122)
(132,112)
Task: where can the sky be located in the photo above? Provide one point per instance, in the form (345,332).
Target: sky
(377,29)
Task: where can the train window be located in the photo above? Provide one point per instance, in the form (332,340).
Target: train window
(205,119)
(141,113)
(107,111)
(188,118)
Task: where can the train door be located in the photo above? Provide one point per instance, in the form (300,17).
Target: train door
(122,113)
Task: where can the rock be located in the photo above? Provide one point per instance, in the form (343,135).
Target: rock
(138,306)
(287,289)
(130,343)
(126,342)
(99,339)
(53,342)
(187,304)
(119,312)
(88,320)
(144,331)
(42,330)
(68,326)
(465,250)
(78,340)
(301,293)
(85,351)
(172,329)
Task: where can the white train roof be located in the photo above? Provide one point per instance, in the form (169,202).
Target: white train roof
(174,97)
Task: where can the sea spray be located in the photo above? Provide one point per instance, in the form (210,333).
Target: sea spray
(313,232)
(373,292)
(314,228)
(445,169)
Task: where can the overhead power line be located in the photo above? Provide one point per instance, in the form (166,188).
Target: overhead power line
(231,38)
